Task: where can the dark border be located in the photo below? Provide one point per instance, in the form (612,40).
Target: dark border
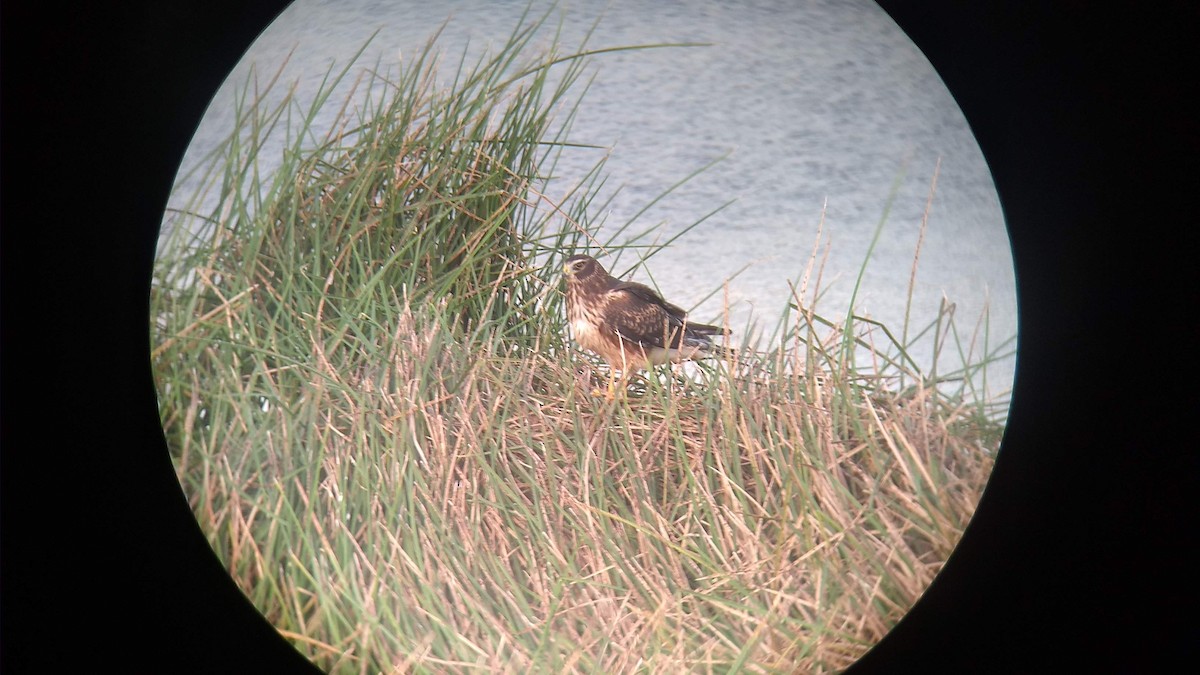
(1073,559)
(1078,555)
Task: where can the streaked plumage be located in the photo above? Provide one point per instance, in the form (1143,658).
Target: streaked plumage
(628,324)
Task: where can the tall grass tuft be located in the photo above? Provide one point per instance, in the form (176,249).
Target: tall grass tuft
(367,391)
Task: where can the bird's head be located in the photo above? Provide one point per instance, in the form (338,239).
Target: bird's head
(579,267)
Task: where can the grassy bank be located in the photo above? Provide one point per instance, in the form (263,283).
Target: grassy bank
(366,386)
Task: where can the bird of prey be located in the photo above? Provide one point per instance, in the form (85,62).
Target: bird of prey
(628,324)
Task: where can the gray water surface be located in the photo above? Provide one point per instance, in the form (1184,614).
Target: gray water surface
(821,107)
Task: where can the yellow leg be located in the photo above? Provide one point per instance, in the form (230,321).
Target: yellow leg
(611,392)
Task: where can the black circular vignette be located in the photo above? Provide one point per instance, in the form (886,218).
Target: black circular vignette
(103,561)
(1077,552)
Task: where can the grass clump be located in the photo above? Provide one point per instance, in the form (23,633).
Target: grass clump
(372,405)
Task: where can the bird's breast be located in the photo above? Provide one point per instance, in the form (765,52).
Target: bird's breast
(585,333)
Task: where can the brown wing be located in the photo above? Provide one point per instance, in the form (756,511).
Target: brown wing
(647,294)
(639,315)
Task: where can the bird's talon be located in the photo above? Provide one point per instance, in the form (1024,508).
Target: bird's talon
(606,394)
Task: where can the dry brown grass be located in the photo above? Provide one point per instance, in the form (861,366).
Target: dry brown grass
(485,512)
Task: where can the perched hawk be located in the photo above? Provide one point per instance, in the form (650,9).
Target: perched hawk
(628,324)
